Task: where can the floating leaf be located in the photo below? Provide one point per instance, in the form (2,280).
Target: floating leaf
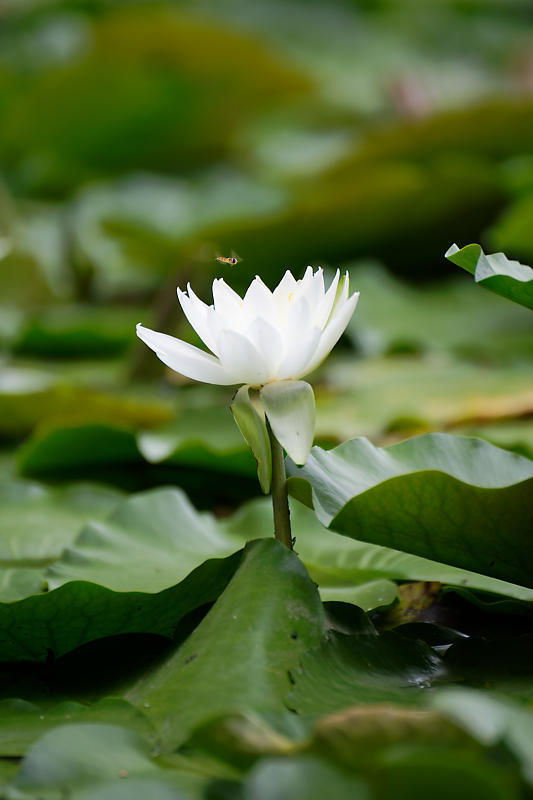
(496,272)
(346,670)
(302,778)
(22,723)
(359,736)
(31,397)
(452,499)
(491,720)
(202,438)
(97,760)
(37,523)
(354,571)
(78,332)
(151,542)
(239,656)
(80,611)
(401,395)
(414,773)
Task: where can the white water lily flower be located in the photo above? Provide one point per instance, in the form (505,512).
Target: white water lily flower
(266,341)
(262,338)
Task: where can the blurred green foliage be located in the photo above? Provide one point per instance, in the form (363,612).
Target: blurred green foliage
(139,139)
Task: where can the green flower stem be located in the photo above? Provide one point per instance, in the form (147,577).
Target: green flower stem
(280,500)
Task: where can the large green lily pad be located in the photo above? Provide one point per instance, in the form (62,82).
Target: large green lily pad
(239,656)
(452,499)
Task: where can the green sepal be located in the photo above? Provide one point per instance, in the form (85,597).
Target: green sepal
(290,408)
(250,419)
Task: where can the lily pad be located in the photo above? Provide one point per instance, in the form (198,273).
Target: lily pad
(354,571)
(239,656)
(55,622)
(22,723)
(394,397)
(78,332)
(302,778)
(37,523)
(346,670)
(121,765)
(34,396)
(452,499)
(496,272)
(491,720)
(150,543)
(200,438)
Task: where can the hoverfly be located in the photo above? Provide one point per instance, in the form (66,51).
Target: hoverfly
(231,260)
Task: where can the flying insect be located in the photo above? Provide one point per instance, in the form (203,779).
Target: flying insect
(231,260)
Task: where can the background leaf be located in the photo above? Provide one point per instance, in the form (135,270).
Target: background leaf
(496,272)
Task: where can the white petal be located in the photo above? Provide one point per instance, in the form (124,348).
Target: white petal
(242,359)
(326,304)
(226,301)
(295,364)
(185,358)
(297,322)
(268,342)
(198,314)
(311,287)
(285,287)
(281,297)
(333,330)
(258,300)
(341,295)
(315,290)
(307,279)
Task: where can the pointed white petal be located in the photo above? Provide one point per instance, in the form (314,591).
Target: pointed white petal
(290,409)
(311,287)
(258,300)
(315,290)
(324,309)
(333,330)
(285,287)
(296,362)
(226,301)
(307,278)
(185,358)
(195,300)
(268,342)
(241,359)
(341,295)
(298,339)
(198,314)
